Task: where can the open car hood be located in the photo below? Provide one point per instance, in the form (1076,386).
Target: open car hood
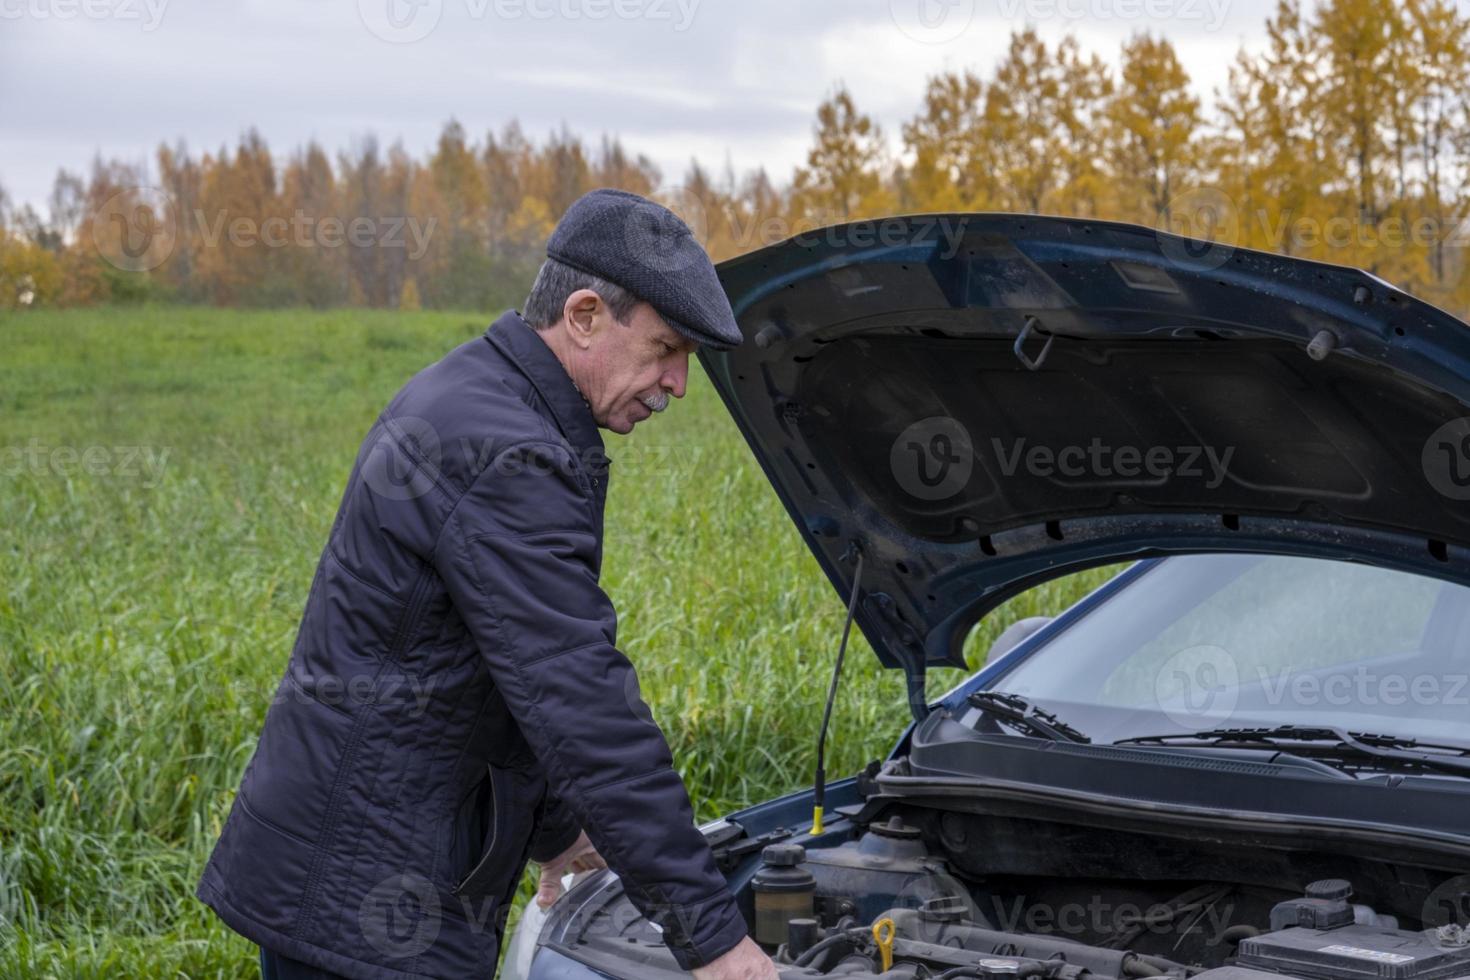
(976,403)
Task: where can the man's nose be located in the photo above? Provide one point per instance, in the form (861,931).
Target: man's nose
(676,377)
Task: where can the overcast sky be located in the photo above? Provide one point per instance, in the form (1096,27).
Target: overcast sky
(712,79)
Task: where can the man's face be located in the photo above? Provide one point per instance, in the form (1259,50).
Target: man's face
(626,371)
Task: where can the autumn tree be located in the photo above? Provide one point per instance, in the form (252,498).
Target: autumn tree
(1272,155)
(943,139)
(844,174)
(1441,113)
(1039,130)
(1154,122)
(316,265)
(1354,115)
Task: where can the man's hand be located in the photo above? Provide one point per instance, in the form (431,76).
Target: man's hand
(744,962)
(581,856)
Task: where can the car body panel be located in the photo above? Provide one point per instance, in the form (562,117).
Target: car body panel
(1327,385)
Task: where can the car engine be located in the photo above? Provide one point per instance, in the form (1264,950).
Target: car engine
(886,906)
(926,893)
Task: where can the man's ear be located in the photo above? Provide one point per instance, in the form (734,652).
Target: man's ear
(583,314)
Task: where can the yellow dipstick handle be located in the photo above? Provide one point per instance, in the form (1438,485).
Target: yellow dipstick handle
(883,931)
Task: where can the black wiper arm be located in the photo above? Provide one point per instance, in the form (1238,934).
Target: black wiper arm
(1020,713)
(1392,750)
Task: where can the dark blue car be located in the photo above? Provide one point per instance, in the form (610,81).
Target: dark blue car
(1247,756)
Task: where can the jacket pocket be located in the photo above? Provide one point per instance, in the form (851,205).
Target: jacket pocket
(504,816)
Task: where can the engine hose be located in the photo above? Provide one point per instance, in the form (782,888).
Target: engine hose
(822,948)
(1235,934)
(1136,966)
(1025,970)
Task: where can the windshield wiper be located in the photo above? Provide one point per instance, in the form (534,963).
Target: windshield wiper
(1389,751)
(1020,713)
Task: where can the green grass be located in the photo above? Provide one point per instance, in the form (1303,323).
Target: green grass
(148,603)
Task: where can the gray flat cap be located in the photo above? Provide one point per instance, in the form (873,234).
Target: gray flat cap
(645,248)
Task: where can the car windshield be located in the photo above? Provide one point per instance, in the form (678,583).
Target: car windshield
(1240,641)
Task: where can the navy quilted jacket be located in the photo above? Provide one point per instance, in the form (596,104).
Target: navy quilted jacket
(455,703)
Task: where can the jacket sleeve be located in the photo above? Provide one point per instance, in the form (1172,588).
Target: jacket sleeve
(556,831)
(519,557)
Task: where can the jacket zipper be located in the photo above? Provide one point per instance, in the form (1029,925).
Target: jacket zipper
(494,833)
(409,623)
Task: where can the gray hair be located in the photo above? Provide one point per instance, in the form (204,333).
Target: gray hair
(557,280)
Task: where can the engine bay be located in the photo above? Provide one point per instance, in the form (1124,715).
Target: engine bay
(941,894)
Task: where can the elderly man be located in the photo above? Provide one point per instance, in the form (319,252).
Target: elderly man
(454,703)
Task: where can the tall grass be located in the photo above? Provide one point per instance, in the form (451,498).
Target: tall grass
(148,603)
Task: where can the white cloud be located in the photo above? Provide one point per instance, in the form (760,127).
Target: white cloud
(741,82)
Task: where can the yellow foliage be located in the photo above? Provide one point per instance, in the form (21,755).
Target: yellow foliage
(29,275)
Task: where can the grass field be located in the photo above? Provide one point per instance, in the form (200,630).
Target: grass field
(167,479)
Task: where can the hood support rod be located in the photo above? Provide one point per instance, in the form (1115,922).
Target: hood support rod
(819,787)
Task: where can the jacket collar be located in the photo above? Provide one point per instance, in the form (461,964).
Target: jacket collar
(515,339)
